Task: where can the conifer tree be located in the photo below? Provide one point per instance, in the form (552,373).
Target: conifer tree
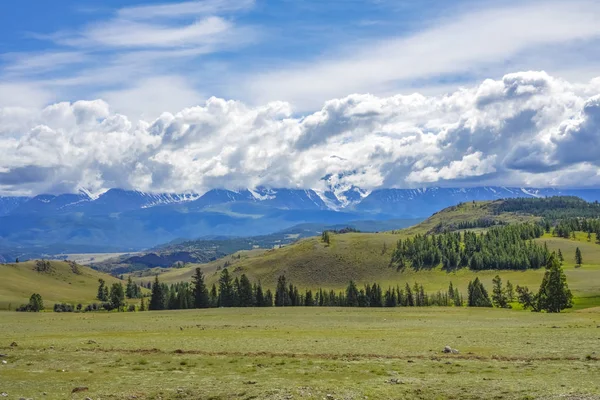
(478,296)
(499,298)
(102,292)
(560,257)
(268,298)
(36,303)
(351,295)
(554,294)
(214,296)
(259,296)
(245,295)
(527,298)
(410,300)
(510,292)
(226,296)
(117,296)
(157,299)
(143,305)
(451,291)
(131,290)
(281,293)
(578,257)
(201,299)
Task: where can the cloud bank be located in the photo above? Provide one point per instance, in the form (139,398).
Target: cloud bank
(527,128)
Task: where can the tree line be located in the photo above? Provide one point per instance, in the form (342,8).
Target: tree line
(501,247)
(553,296)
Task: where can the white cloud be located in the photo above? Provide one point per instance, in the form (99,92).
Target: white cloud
(184,9)
(488,39)
(527,128)
(131,34)
(471,165)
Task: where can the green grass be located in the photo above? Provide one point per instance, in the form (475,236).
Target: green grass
(61,284)
(302,353)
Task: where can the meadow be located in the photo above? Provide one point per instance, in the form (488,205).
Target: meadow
(302,353)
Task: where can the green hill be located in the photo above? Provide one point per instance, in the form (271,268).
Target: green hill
(61,282)
(365,258)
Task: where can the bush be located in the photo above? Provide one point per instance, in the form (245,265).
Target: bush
(131,308)
(63,307)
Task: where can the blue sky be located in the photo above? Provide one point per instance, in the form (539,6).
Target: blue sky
(244,49)
(190,95)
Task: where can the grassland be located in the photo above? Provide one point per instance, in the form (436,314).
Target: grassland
(60,284)
(364,258)
(312,353)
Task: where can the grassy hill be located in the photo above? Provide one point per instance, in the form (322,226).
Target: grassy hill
(61,283)
(365,257)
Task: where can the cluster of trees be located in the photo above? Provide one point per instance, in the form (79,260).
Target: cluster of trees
(113,298)
(36,304)
(553,208)
(238,292)
(241,293)
(92,307)
(478,223)
(567,227)
(554,294)
(505,247)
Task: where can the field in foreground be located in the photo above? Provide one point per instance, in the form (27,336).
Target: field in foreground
(298,353)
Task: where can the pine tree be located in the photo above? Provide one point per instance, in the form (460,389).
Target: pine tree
(226,297)
(268,298)
(117,296)
(131,289)
(499,298)
(214,296)
(351,295)
(201,299)
(245,296)
(560,257)
(143,305)
(36,303)
(478,296)
(554,294)
(102,292)
(157,299)
(510,292)
(325,237)
(527,298)
(578,257)
(259,296)
(410,300)
(281,294)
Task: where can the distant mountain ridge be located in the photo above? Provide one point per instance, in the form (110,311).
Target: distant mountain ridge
(405,203)
(125,220)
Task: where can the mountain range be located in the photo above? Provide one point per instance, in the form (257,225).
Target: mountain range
(124,220)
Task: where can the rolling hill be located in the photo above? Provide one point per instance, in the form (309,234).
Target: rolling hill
(62,282)
(364,258)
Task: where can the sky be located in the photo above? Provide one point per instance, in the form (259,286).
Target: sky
(189,96)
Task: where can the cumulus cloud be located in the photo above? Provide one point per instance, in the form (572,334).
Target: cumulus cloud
(526,128)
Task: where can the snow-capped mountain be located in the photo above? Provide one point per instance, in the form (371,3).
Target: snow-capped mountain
(123,220)
(111,201)
(404,203)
